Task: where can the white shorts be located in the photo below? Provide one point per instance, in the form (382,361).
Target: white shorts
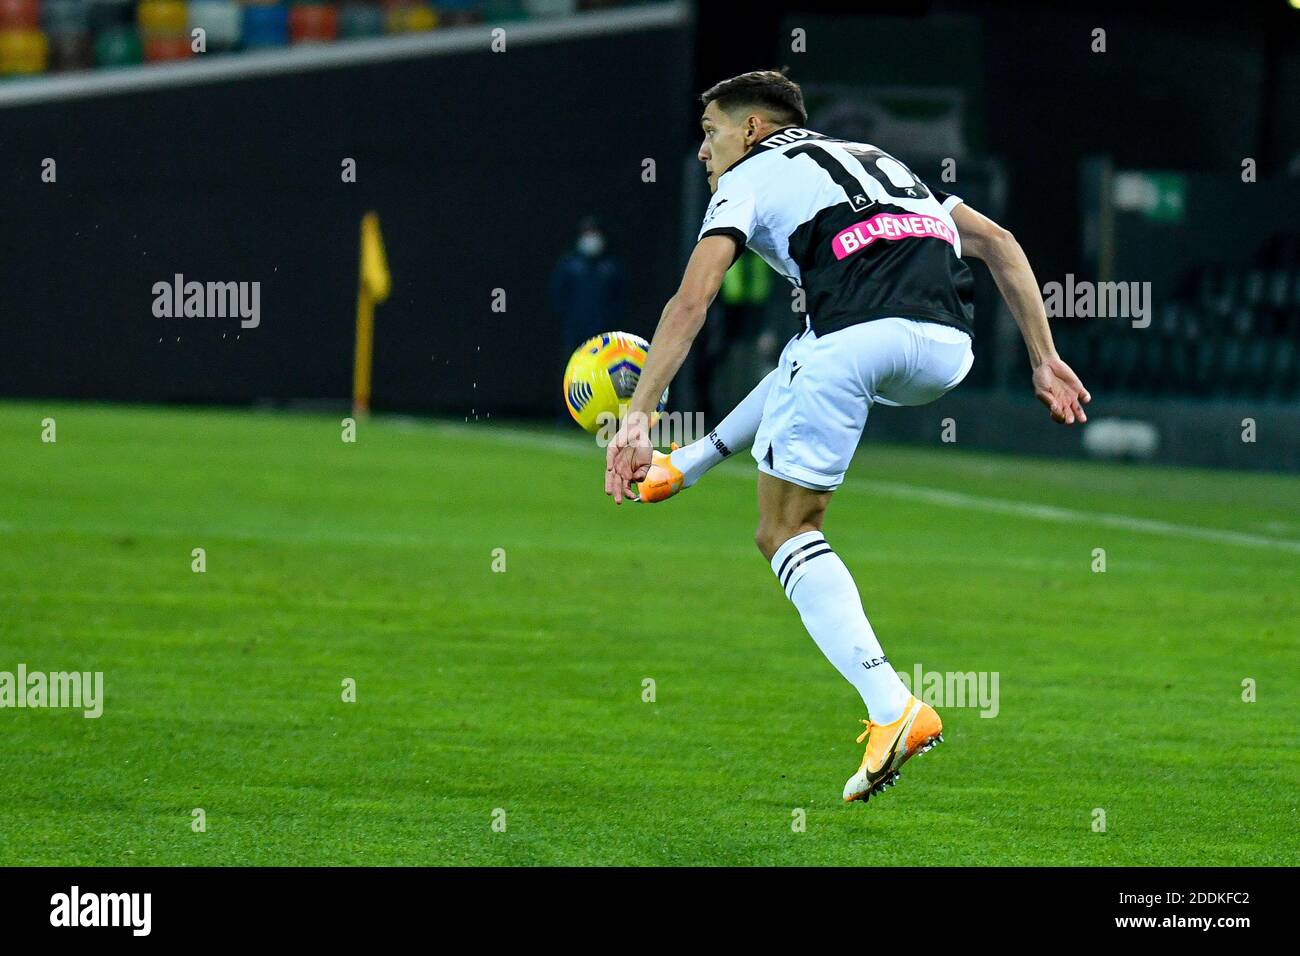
(817,405)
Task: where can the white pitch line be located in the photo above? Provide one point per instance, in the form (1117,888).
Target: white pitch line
(1023,509)
(941,496)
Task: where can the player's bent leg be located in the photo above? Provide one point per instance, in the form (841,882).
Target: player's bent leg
(942,357)
(819,585)
(675,472)
(786,510)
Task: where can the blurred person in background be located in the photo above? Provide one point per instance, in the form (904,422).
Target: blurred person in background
(588,291)
(588,287)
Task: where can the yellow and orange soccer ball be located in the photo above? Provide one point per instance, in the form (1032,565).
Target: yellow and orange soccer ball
(601,377)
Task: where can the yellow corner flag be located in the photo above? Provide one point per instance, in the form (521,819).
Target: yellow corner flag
(373,286)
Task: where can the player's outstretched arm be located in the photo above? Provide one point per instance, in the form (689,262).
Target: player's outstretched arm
(1055,383)
(627,458)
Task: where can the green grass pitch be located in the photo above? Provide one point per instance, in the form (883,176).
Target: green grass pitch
(521,691)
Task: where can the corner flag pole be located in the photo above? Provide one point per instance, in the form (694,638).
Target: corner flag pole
(373,286)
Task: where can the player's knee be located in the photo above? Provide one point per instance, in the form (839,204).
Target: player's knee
(767,538)
(770,536)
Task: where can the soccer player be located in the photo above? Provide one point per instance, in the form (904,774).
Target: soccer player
(878,257)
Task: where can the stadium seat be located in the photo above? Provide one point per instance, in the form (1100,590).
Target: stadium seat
(1224,295)
(19,15)
(458,12)
(1136,345)
(1117,357)
(23,52)
(495,11)
(1207,284)
(70,51)
(1178,371)
(1253,287)
(110,14)
(313,23)
(221,21)
(1276,289)
(1243,320)
(1203,367)
(65,16)
(1258,365)
(160,49)
(360,20)
(550,8)
(1283,369)
(1169,318)
(118,46)
(411,18)
(265,26)
(1234,330)
(1230,378)
(1152,362)
(67,26)
(161,18)
(1289,324)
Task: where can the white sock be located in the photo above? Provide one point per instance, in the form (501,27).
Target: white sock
(734,433)
(820,586)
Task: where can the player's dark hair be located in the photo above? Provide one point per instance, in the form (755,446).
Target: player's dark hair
(766,89)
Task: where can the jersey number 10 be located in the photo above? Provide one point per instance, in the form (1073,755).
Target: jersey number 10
(869,159)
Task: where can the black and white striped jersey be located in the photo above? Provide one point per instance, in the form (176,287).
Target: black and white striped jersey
(848,223)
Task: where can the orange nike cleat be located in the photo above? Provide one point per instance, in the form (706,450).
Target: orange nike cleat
(889,746)
(661,481)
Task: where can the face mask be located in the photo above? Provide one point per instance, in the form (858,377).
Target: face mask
(591,244)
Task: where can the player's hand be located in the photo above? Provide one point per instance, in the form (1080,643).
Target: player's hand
(1057,387)
(627,459)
